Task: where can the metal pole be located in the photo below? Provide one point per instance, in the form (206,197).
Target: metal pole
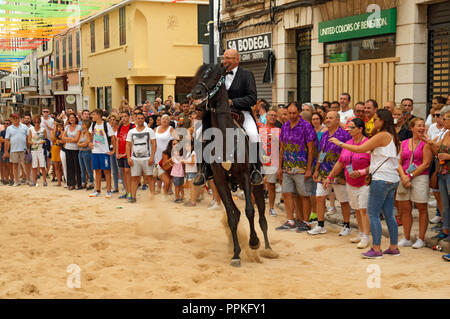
(211,32)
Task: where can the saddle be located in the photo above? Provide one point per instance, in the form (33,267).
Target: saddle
(238,117)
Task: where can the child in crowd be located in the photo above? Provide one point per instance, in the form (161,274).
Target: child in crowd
(177,173)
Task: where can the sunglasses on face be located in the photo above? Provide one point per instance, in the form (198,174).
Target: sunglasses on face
(359,111)
(351,127)
(436,115)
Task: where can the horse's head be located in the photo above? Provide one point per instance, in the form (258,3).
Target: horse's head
(208,80)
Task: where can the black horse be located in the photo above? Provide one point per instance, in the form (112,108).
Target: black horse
(210,96)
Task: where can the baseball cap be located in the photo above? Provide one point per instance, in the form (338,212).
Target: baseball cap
(15,115)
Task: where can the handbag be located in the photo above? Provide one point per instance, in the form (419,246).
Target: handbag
(368,178)
(165,165)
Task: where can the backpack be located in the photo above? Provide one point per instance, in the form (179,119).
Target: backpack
(105,128)
(130,126)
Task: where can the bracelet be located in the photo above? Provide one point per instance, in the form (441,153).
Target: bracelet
(330,178)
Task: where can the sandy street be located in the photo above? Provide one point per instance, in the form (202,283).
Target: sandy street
(159,249)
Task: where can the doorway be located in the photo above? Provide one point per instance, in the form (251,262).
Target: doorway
(303,46)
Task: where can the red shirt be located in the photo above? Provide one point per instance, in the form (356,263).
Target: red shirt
(267,133)
(122,133)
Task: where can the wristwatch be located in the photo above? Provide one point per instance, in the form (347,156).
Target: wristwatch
(340,144)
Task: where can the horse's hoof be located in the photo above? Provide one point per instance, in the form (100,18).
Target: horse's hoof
(254,247)
(236,263)
(268,253)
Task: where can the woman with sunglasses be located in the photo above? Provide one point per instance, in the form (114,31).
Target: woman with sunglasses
(356,166)
(385,147)
(416,157)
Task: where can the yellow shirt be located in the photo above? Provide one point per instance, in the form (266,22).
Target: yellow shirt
(369,126)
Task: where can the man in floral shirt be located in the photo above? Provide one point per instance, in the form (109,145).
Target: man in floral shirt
(298,144)
(327,158)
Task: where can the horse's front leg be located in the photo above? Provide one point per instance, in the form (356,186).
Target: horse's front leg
(233,214)
(258,193)
(249,209)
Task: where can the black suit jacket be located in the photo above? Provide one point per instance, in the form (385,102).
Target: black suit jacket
(242,91)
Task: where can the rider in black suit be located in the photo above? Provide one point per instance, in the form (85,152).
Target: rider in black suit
(241,89)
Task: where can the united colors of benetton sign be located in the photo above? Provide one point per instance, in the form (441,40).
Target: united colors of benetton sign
(360,26)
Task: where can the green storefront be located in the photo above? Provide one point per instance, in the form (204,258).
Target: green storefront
(360,37)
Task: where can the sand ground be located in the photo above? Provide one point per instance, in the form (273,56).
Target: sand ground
(159,249)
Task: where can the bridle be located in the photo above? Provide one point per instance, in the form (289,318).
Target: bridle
(210,93)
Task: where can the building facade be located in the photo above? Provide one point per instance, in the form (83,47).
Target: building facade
(384,50)
(44,75)
(66,80)
(140,50)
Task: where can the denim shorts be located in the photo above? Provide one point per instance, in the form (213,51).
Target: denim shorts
(178,181)
(190,176)
(101,161)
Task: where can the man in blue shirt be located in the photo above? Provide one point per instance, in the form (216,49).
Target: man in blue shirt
(15,145)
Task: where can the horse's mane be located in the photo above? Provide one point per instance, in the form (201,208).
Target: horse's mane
(201,70)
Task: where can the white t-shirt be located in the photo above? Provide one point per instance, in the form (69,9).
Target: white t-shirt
(190,168)
(49,124)
(37,137)
(429,120)
(346,115)
(434,132)
(141,146)
(72,134)
(99,139)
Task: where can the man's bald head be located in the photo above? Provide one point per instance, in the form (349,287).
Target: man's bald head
(231,59)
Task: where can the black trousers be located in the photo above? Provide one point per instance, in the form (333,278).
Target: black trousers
(73,168)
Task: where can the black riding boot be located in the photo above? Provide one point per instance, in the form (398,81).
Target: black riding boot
(256,177)
(204,174)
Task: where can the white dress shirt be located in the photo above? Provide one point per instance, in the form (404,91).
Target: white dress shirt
(230,77)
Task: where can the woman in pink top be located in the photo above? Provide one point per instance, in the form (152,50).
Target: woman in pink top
(356,166)
(416,157)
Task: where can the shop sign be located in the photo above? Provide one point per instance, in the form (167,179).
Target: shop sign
(252,43)
(359,26)
(254,56)
(26,70)
(70,99)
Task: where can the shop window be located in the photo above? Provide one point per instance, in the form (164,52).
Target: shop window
(202,24)
(148,93)
(100,99)
(360,49)
(108,98)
